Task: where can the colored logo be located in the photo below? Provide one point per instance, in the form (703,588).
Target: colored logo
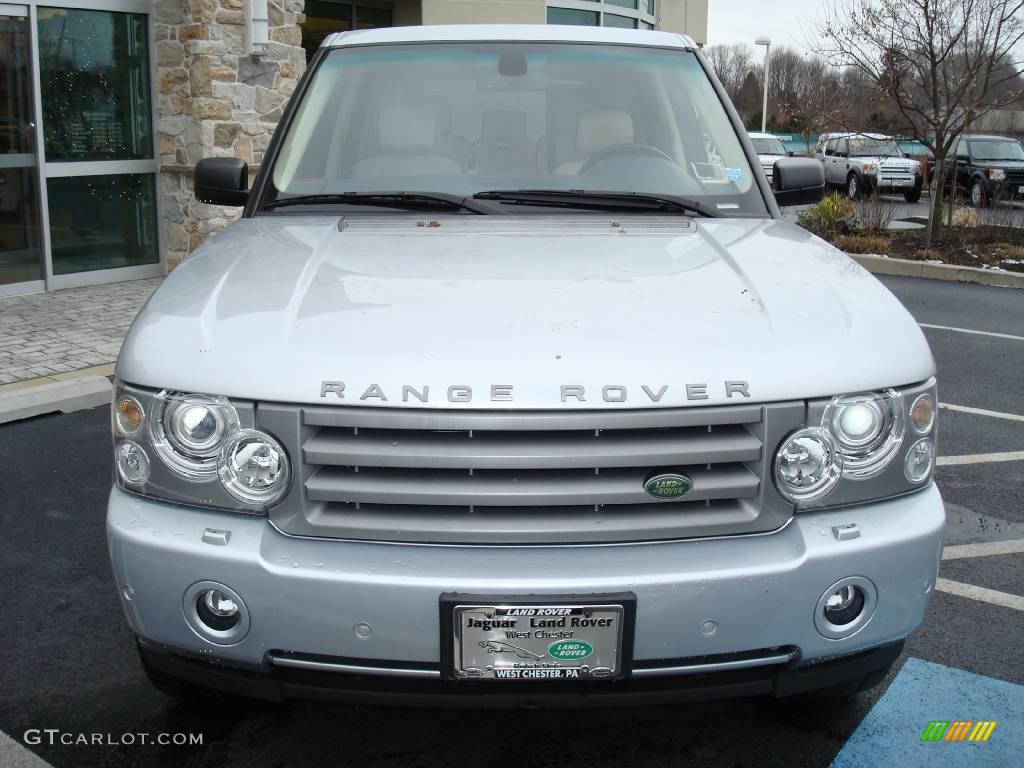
(668,486)
(567,650)
(958,730)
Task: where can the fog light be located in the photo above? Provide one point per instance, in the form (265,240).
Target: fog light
(920,458)
(844,605)
(132,463)
(217,610)
(845,608)
(216,613)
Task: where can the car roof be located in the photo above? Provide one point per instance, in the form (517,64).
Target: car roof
(986,137)
(760,135)
(848,134)
(458,33)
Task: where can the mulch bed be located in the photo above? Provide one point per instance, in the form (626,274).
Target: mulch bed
(978,246)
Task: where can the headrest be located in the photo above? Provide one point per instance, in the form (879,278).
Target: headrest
(602,128)
(503,124)
(412,125)
(443,113)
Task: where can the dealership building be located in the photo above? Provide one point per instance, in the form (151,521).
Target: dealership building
(107,105)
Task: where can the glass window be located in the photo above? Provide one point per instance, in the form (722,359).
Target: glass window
(19,237)
(19,234)
(996,149)
(645,25)
(623,3)
(623,22)
(573,16)
(95,74)
(323,18)
(102,222)
(372,18)
(466,118)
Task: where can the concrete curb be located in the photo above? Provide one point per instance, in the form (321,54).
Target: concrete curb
(64,396)
(881,265)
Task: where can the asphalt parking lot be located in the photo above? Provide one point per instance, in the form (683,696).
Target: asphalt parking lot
(70,661)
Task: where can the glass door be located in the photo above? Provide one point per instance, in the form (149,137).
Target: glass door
(21,265)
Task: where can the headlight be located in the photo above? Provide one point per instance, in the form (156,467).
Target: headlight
(807,466)
(189,431)
(254,468)
(919,462)
(196,449)
(863,447)
(132,463)
(868,428)
(996,174)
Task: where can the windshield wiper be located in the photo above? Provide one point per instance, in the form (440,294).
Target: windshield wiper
(586,198)
(408,200)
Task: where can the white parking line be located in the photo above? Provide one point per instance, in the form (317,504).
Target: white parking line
(982,412)
(980,458)
(991,596)
(13,755)
(969,330)
(1011,547)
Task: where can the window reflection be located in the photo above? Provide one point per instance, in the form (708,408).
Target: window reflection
(102,222)
(95,80)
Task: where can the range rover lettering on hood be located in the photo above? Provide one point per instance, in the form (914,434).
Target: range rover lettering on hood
(497,393)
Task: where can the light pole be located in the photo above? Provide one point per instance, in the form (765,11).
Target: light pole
(767,43)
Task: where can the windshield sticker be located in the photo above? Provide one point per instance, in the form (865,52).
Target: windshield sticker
(726,206)
(708,171)
(734,174)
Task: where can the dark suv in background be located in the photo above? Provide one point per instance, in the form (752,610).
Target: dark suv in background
(988,168)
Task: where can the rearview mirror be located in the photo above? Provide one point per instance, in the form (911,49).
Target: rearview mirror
(221,181)
(798,181)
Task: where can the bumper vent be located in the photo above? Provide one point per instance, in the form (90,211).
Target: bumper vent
(540,477)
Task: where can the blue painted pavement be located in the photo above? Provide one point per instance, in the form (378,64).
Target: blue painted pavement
(890,735)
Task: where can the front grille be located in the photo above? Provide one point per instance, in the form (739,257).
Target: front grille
(537,477)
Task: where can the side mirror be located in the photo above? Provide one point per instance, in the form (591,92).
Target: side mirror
(790,153)
(221,181)
(798,181)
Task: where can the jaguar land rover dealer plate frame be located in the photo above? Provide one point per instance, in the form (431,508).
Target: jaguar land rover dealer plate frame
(537,638)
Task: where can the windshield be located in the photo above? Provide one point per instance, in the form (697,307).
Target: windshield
(864,146)
(768,146)
(466,118)
(995,150)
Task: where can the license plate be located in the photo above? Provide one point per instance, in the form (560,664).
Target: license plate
(577,640)
(902,182)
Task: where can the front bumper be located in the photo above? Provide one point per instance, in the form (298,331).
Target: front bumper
(891,184)
(313,599)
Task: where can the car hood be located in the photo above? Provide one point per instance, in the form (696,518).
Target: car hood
(503,312)
(770,159)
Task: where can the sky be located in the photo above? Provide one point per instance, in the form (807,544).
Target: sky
(786,22)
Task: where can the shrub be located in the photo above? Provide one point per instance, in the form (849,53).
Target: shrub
(863,244)
(875,214)
(830,218)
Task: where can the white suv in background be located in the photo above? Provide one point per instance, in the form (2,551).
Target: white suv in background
(863,163)
(769,148)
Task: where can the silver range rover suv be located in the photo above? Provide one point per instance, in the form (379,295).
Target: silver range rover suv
(512,385)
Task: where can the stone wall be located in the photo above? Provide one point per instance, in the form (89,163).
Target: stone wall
(215,100)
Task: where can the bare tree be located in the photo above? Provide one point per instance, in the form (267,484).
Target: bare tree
(732,64)
(943,63)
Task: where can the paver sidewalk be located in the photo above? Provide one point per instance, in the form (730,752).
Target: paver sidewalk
(51,335)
